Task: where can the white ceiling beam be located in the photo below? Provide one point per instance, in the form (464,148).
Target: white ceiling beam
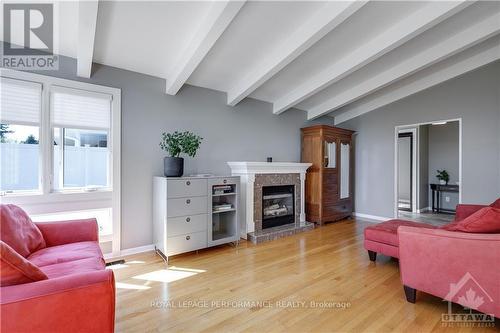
(442,50)
(422,81)
(217,20)
(315,28)
(420,21)
(87,22)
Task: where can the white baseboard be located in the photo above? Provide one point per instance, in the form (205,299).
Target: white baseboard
(131,251)
(423,210)
(371,217)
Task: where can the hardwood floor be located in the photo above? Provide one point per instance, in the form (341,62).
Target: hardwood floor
(327,265)
(437,219)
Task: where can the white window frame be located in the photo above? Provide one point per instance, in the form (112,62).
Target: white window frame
(46,199)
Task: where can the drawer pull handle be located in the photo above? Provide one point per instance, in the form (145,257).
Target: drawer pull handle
(225,181)
(188,201)
(188,237)
(188,183)
(188,219)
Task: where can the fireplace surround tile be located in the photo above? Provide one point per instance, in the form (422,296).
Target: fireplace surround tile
(276,179)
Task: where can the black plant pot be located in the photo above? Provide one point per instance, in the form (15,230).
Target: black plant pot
(173,166)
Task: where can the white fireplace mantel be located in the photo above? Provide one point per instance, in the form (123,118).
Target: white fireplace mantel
(268,167)
(247,172)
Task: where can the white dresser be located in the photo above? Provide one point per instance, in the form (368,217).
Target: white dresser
(192,213)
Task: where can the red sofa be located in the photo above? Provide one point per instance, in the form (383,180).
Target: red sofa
(65,286)
(443,263)
(432,260)
(383,237)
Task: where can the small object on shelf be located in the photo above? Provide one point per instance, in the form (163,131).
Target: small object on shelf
(269,159)
(222,189)
(224,206)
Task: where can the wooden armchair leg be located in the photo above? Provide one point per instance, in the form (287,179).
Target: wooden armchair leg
(372,255)
(411,294)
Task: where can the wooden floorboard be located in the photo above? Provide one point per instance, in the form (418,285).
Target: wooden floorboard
(269,288)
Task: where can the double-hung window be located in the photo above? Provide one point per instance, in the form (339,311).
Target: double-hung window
(60,150)
(81,123)
(20,114)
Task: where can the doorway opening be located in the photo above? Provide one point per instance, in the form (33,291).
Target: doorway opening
(428,171)
(406,170)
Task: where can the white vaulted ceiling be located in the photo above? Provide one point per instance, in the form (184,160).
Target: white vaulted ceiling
(342,58)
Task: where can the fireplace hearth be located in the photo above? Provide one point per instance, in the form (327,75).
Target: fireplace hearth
(278,205)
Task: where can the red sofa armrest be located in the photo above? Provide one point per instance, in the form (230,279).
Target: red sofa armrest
(430,260)
(65,232)
(75,303)
(463,211)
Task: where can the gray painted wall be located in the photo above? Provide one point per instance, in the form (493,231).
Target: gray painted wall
(472,97)
(444,154)
(247,132)
(423,179)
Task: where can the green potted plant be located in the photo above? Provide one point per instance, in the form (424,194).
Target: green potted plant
(175,144)
(443,177)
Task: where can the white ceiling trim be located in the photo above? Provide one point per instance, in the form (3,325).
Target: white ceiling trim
(217,20)
(329,17)
(395,36)
(457,43)
(425,81)
(87,21)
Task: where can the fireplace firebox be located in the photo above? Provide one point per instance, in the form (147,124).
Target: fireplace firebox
(278,205)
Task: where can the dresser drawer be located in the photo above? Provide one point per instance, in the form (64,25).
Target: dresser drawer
(178,188)
(185,243)
(186,224)
(337,210)
(186,206)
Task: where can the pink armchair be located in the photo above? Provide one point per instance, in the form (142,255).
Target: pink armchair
(77,294)
(431,260)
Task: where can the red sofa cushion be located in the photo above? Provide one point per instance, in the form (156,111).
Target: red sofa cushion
(387,232)
(18,231)
(64,253)
(15,269)
(485,220)
(496,204)
(74,267)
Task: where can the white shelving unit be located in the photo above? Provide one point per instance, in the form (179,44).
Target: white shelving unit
(186,217)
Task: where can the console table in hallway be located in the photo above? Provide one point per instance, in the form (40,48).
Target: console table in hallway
(436,192)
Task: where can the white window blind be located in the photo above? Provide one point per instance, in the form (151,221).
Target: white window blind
(73,108)
(20,102)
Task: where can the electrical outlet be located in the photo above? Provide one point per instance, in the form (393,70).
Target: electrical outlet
(447,199)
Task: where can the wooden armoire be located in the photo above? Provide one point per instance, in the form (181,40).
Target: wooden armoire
(329,181)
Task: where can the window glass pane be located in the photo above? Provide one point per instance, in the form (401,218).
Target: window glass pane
(84,160)
(19,156)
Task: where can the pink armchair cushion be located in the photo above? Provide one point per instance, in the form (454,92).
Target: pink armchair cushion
(64,253)
(496,204)
(465,210)
(18,231)
(15,269)
(387,232)
(485,220)
(74,267)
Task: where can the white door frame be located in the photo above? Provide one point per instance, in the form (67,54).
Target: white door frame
(416,160)
(414,164)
